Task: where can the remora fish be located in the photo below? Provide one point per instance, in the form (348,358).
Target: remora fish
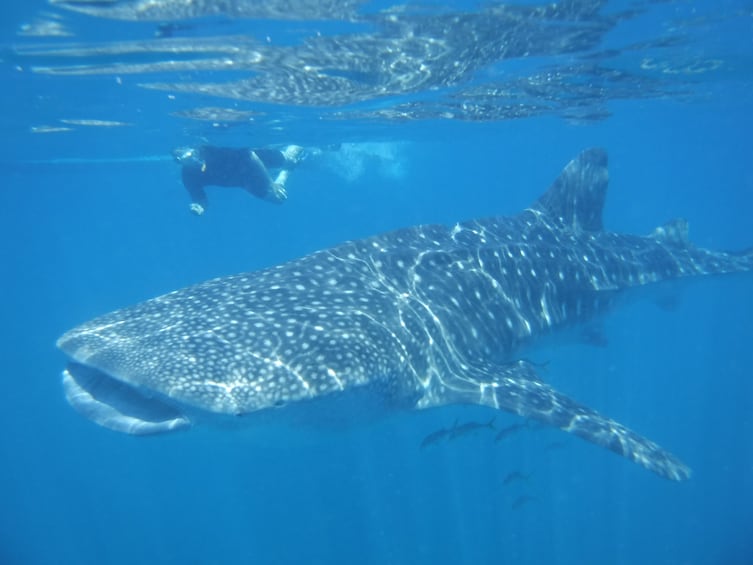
(522,501)
(516,476)
(460,430)
(509,430)
(424,316)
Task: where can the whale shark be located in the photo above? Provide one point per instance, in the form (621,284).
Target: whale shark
(421,317)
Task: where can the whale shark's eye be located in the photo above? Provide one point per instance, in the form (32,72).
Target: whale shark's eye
(279,403)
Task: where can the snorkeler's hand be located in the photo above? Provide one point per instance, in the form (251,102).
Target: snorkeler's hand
(277,193)
(196,209)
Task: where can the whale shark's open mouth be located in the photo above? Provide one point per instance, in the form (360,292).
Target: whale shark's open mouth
(116,405)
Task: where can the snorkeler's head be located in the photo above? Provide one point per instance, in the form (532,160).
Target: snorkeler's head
(184,154)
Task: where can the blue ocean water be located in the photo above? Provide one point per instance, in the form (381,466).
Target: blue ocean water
(95,218)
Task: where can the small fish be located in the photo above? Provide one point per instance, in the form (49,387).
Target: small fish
(170,28)
(516,476)
(509,430)
(469,427)
(594,336)
(435,437)
(522,501)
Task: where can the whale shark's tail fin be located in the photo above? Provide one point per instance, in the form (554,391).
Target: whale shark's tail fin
(516,388)
(688,259)
(577,197)
(747,255)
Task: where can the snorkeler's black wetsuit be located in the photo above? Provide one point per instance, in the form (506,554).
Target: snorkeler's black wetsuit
(230,166)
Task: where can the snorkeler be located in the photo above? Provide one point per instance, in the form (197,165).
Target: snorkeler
(229,166)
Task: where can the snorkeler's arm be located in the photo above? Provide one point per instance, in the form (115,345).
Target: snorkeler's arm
(260,183)
(271,158)
(195,188)
(256,179)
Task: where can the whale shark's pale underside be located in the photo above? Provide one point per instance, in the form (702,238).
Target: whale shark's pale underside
(424,316)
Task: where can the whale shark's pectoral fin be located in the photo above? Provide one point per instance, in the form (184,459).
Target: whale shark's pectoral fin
(117,406)
(516,388)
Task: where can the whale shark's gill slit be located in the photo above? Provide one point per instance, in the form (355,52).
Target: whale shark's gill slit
(422,317)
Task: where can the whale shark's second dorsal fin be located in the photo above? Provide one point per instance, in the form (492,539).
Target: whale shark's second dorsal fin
(675,231)
(577,197)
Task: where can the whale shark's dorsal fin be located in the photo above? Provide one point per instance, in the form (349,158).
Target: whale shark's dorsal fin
(577,197)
